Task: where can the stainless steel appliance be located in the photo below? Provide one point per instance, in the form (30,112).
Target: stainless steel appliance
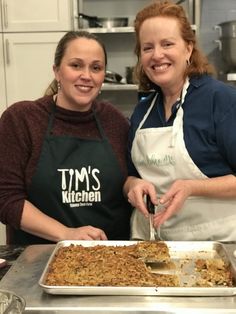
(227,46)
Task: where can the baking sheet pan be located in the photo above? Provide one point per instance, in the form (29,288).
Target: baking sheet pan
(179,251)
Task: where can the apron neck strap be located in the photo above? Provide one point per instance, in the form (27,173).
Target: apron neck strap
(51,118)
(148,111)
(182,97)
(100,129)
(179,115)
(184,91)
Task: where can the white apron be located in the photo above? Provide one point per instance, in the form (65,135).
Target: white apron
(160,156)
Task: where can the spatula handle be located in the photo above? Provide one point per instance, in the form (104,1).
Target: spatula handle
(150,205)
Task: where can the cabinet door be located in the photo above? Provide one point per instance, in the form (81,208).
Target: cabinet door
(29,64)
(2,79)
(36,15)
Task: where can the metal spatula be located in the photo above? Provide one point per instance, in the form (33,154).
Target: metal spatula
(157,266)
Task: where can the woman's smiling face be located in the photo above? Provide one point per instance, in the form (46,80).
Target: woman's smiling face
(163,53)
(81,74)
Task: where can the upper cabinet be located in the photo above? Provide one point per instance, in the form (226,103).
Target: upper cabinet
(36,15)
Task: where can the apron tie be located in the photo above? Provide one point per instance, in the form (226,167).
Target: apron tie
(179,117)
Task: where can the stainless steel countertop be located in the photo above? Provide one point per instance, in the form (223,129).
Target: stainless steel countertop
(23,277)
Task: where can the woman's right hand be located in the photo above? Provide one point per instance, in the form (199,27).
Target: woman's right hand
(85,233)
(135,189)
(37,223)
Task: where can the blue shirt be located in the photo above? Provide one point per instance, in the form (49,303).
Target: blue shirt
(209,125)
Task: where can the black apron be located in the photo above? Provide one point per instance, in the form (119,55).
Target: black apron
(79,182)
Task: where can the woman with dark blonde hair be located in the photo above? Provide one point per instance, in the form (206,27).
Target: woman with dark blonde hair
(182,142)
(62,157)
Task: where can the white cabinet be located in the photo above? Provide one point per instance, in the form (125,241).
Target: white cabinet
(36,15)
(28,64)
(30,32)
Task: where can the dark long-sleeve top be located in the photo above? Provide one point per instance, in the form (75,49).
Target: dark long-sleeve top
(209,125)
(22,130)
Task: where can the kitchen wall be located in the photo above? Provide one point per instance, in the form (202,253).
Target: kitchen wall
(214,12)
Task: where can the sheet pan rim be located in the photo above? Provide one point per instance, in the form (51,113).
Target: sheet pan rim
(109,290)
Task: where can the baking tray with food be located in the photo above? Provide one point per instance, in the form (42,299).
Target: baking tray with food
(172,268)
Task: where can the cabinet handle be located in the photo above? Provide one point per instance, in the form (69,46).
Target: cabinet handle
(5,14)
(7,51)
